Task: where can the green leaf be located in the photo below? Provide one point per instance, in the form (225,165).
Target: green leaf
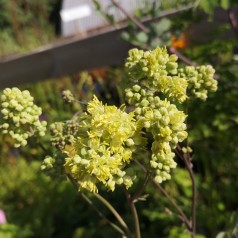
(225,4)
(142,37)
(163,25)
(125,36)
(222,235)
(97,5)
(208,6)
(156,42)
(110,18)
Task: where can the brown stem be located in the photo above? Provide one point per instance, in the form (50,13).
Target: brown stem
(131,17)
(233,21)
(186,158)
(181,56)
(147,30)
(142,189)
(163,14)
(168,13)
(134,213)
(182,216)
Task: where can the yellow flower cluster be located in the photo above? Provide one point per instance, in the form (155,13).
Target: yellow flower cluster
(200,79)
(20,116)
(153,75)
(157,71)
(166,124)
(99,144)
(107,136)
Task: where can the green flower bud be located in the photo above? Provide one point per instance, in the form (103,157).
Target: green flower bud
(147,124)
(136,88)
(144,103)
(68,96)
(158,179)
(173,58)
(137,96)
(129,94)
(138,111)
(127,181)
(21,115)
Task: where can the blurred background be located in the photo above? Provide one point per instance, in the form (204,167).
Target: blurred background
(48,46)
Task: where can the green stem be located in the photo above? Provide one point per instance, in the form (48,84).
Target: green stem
(113,211)
(117,228)
(42,146)
(107,204)
(134,213)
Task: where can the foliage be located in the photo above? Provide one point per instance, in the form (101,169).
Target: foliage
(211,135)
(71,220)
(212,125)
(104,139)
(25,25)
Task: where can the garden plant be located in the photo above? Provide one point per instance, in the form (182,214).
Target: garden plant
(150,149)
(102,145)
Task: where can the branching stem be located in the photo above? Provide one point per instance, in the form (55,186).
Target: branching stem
(108,205)
(142,189)
(182,216)
(117,228)
(186,60)
(131,17)
(113,211)
(186,158)
(134,213)
(147,30)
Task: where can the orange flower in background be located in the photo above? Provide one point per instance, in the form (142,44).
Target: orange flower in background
(99,72)
(181,42)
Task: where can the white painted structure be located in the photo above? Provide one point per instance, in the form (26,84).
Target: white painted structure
(80,16)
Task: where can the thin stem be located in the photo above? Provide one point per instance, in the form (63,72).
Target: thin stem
(185,157)
(147,30)
(196,4)
(131,17)
(181,56)
(75,115)
(134,213)
(182,216)
(107,204)
(114,212)
(142,189)
(233,21)
(165,13)
(42,146)
(102,215)
(80,102)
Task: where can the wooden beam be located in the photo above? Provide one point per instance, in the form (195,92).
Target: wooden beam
(66,57)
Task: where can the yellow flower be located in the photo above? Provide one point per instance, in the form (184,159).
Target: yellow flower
(104,148)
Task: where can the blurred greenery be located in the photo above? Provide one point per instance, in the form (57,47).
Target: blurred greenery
(37,206)
(27,24)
